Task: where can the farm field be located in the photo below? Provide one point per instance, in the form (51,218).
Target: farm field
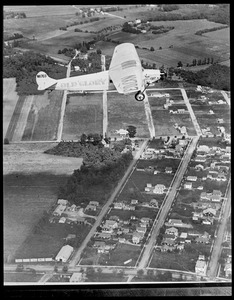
(83,114)
(186,45)
(30,185)
(43,117)
(124,110)
(10,99)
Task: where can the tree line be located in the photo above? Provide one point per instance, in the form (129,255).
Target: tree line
(24,68)
(101,169)
(216,76)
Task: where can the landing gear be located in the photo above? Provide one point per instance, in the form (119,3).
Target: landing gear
(140,96)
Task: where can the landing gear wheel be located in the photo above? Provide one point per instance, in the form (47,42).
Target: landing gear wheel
(139,96)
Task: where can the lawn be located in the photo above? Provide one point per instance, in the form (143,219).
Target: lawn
(47,241)
(21,277)
(43,118)
(124,110)
(184,261)
(140,212)
(120,254)
(164,121)
(83,114)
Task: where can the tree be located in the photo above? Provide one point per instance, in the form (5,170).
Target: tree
(83,139)
(160,48)
(140,273)
(90,271)
(6,141)
(179,65)
(65,269)
(132,131)
(151,48)
(99,51)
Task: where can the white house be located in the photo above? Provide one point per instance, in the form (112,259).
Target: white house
(191,178)
(62,202)
(188,185)
(159,189)
(76,277)
(59,210)
(172,230)
(64,253)
(201,268)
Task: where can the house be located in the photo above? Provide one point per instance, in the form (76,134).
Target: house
(180,247)
(200,158)
(207,221)
(168,242)
(122,240)
(202,240)
(91,207)
(194,233)
(168,170)
(141,229)
(70,237)
(76,277)
(205,196)
(188,185)
(201,268)
(137,237)
(228,269)
(159,189)
(118,205)
(111,223)
(98,244)
(107,229)
(133,201)
(125,230)
(114,218)
(172,231)
(175,222)
(203,149)
(62,202)
(145,220)
(64,253)
(62,220)
(183,235)
(209,212)
(59,210)
(148,187)
(192,178)
(165,248)
(201,257)
(200,187)
(221,177)
(199,167)
(96,203)
(154,203)
(217,193)
(104,235)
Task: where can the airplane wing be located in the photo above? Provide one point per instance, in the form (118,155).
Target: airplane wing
(125,69)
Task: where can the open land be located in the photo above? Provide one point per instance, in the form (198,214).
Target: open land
(83,114)
(10,99)
(123,111)
(30,184)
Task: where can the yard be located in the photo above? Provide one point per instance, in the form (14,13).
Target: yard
(184,261)
(43,118)
(21,277)
(120,254)
(83,114)
(124,110)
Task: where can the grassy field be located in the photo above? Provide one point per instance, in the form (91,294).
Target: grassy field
(83,114)
(21,277)
(30,186)
(124,110)
(185,260)
(10,99)
(43,118)
(186,45)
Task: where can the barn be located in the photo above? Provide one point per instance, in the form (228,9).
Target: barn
(64,253)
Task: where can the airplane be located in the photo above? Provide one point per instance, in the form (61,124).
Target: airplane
(125,74)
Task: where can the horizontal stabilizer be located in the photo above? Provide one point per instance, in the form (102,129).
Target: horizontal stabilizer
(45,82)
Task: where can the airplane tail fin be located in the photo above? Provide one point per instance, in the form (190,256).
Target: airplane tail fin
(44,81)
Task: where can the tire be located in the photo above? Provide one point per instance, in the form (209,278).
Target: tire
(139,96)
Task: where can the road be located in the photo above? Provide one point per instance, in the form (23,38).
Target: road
(193,117)
(149,116)
(226,97)
(217,247)
(77,256)
(105,108)
(166,205)
(63,106)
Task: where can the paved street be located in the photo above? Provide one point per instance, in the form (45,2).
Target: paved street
(166,205)
(105,208)
(217,247)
